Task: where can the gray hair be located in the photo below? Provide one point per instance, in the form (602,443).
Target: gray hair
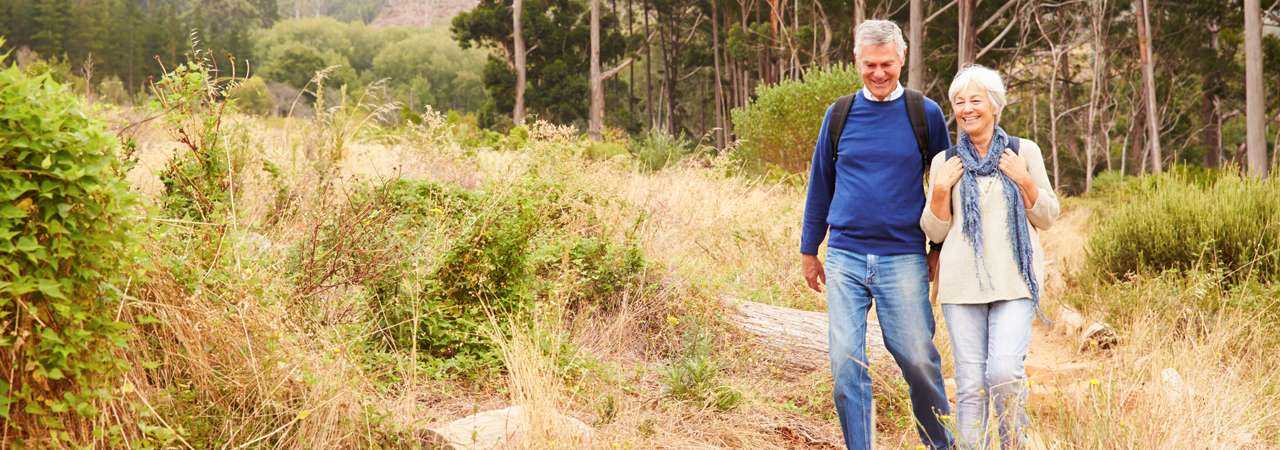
(878,32)
(987,79)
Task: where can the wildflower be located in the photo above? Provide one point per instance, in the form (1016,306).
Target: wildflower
(1094,382)
(672,321)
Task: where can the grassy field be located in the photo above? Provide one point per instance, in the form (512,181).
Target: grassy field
(337,282)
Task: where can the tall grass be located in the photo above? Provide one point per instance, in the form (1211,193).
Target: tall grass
(1183,265)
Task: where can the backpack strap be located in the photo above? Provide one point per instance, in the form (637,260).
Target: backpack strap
(835,123)
(915,111)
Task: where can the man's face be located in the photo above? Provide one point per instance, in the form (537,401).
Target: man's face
(880,66)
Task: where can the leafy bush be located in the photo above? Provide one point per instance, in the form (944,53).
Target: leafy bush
(657,150)
(1176,221)
(779,128)
(497,255)
(111,89)
(251,97)
(198,180)
(695,376)
(65,251)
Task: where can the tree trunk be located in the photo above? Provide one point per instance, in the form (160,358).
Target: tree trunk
(798,337)
(964,54)
(648,69)
(595,123)
(1149,85)
(1255,94)
(1211,113)
(1099,58)
(670,74)
(631,71)
(719,90)
(915,52)
(517,34)
(824,50)
(859,15)
(1053,116)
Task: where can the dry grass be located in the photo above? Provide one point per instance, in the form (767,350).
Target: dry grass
(260,366)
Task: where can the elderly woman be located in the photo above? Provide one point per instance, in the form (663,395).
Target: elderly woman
(988,195)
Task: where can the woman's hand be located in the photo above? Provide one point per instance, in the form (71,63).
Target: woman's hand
(949,174)
(1016,169)
(946,178)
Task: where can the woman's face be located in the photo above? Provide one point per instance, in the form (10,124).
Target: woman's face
(974,112)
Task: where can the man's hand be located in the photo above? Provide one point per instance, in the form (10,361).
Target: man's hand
(932,259)
(813,273)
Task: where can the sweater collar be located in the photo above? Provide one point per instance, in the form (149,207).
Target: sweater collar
(897,92)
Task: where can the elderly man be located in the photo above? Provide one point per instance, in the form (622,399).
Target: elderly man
(866,187)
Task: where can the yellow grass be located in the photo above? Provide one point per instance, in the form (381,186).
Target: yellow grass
(290,374)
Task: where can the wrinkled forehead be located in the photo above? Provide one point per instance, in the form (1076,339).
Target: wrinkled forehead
(972,89)
(879,53)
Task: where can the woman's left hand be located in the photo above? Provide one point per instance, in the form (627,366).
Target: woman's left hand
(1015,168)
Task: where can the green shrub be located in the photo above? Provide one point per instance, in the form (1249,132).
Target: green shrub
(1181,221)
(497,256)
(780,127)
(112,90)
(695,376)
(251,97)
(198,179)
(605,150)
(65,252)
(657,150)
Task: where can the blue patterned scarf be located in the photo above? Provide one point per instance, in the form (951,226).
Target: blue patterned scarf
(1019,229)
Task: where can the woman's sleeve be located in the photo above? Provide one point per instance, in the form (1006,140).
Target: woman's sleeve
(1045,211)
(936,229)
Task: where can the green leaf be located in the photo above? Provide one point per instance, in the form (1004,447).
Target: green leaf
(12,212)
(28,244)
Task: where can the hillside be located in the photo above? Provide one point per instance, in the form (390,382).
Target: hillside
(421,13)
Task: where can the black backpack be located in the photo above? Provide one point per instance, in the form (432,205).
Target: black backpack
(915,111)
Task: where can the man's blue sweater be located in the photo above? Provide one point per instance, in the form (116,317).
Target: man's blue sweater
(871,196)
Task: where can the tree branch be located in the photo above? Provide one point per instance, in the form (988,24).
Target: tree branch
(939,11)
(996,15)
(999,37)
(614,71)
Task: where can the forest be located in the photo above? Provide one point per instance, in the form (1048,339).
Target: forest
(682,68)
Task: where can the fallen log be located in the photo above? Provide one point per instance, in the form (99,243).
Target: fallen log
(800,336)
(506,428)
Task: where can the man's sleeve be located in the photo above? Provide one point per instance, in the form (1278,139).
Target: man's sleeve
(939,136)
(822,185)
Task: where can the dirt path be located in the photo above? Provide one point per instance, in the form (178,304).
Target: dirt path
(1055,363)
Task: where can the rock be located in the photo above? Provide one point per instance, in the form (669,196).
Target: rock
(505,428)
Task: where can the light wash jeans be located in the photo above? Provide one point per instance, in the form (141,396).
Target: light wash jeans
(899,285)
(989,342)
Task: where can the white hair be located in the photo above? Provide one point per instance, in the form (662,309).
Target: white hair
(878,32)
(987,79)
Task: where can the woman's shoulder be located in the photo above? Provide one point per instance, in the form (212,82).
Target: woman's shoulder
(940,157)
(1028,147)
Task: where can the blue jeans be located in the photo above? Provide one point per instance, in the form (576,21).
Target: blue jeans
(899,285)
(990,342)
